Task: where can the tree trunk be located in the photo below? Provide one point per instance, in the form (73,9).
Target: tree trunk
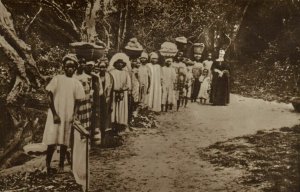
(18,52)
(237,29)
(89,26)
(120,29)
(125,23)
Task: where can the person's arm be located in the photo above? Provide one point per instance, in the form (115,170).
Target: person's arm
(127,84)
(56,118)
(76,108)
(110,102)
(149,80)
(215,70)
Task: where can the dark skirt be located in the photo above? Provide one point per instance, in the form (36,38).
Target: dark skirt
(195,89)
(220,92)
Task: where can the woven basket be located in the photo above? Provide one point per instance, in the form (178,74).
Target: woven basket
(88,51)
(198,48)
(133,53)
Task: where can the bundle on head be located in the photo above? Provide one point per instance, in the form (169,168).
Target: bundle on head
(168,49)
(88,51)
(133,49)
(181,43)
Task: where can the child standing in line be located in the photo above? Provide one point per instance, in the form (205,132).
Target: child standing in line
(197,71)
(155,91)
(168,82)
(204,86)
(64,93)
(144,75)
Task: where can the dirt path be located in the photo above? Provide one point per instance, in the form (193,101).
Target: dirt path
(167,158)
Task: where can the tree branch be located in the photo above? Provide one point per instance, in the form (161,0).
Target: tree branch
(39,11)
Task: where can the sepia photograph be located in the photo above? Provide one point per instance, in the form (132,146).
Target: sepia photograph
(150,95)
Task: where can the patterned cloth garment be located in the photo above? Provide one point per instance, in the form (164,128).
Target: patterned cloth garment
(85,108)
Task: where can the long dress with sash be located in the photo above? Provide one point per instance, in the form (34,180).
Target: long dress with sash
(155,91)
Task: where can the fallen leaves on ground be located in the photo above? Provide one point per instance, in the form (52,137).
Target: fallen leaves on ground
(271,158)
(39,181)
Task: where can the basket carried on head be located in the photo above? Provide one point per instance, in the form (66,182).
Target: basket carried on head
(88,51)
(181,43)
(198,48)
(133,49)
(168,49)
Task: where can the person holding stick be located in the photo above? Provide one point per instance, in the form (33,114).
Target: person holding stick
(64,93)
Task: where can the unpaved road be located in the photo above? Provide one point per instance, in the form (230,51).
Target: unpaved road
(167,158)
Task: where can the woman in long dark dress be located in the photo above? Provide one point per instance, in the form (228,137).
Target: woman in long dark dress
(220,82)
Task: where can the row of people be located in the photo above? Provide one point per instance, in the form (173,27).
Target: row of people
(104,94)
(162,86)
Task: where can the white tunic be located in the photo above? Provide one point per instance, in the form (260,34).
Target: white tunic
(65,91)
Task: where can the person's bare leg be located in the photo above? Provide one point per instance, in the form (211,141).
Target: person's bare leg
(185,101)
(178,104)
(62,155)
(50,151)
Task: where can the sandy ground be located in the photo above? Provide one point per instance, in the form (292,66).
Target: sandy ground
(167,159)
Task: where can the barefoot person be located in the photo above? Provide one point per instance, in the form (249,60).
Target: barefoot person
(168,81)
(204,80)
(144,75)
(181,79)
(135,89)
(85,107)
(64,94)
(106,85)
(155,91)
(197,71)
(120,71)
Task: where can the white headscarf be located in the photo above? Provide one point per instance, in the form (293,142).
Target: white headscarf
(221,55)
(120,56)
(153,55)
(70,56)
(144,55)
(169,59)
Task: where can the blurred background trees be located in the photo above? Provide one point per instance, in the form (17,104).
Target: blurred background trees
(261,33)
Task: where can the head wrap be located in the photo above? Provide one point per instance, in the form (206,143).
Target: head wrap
(120,56)
(181,39)
(144,55)
(168,59)
(222,51)
(91,63)
(103,60)
(71,57)
(168,49)
(153,55)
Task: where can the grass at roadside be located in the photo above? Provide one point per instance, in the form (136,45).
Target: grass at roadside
(271,158)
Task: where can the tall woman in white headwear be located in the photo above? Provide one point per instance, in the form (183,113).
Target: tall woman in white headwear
(119,66)
(155,91)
